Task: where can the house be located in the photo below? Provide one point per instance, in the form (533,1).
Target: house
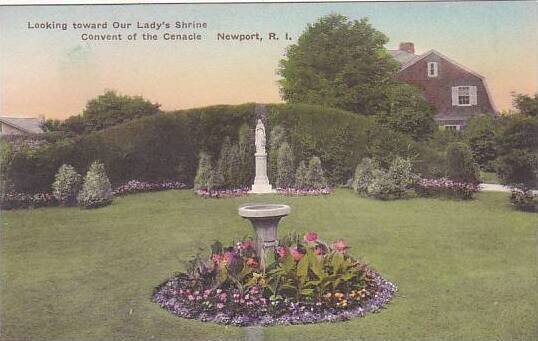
(456,92)
(20,125)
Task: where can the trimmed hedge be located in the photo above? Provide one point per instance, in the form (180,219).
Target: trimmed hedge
(154,148)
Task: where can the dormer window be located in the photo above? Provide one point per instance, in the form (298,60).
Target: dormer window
(432,69)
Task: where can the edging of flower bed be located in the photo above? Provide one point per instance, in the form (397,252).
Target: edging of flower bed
(299,313)
(304,191)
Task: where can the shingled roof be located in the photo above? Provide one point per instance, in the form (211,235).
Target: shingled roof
(403,57)
(30,125)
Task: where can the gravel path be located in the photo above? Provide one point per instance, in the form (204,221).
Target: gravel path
(498,188)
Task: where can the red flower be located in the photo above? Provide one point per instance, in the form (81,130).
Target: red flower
(340,245)
(282,251)
(310,237)
(252,262)
(296,254)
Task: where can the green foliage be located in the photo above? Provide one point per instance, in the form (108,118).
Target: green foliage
(277,137)
(216,180)
(66,185)
(246,156)
(460,163)
(301,175)
(480,134)
(285,167)
(338,63)
(391,183)
(519,167)
(363,175)
(408,112)
(526,104)
(96,190)
(225,164)
(524,199)
(203,174)
(315,177)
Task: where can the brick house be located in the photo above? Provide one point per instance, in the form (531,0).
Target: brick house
(456,92)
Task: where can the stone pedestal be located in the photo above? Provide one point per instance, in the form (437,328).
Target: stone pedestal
(261,181)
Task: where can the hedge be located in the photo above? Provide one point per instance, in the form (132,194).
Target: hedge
(166,146)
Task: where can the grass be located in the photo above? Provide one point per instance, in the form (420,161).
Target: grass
(466,270)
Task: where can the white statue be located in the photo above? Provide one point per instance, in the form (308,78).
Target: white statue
(260,138)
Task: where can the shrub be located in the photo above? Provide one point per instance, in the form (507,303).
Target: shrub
(216,180)
(285,170)
(96,190)
(203,174)
(460,163)
(518,167)
(224,163)
(301,175)
(524,199)
(137,186)
(446,188)
(13,200)
(277,137)
(66,185)
(363,175)
(314,177)
(246,156)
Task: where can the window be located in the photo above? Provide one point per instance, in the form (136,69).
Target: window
(452,127)
(464,96)
(432,69)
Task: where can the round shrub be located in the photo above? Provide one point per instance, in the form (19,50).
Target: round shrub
(518,167)
(96,190)
(285,170)
(363,175)
(66,185)
(524,199)
(460,163)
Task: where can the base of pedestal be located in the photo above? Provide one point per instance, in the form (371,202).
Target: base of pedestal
(262,188)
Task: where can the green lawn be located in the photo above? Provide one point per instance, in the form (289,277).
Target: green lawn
(466,270)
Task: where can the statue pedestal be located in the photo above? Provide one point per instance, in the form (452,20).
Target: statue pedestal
(261,181)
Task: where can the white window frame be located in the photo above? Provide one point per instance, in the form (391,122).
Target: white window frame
(457,127)
(473,98)
(435,67)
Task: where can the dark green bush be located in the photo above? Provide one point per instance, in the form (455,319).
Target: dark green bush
(460,163)
(518,167)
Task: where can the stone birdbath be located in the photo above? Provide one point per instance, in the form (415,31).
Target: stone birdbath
(264,219)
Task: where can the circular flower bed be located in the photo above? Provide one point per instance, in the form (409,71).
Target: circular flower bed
(303,281)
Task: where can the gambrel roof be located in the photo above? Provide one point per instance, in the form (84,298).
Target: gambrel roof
(30,125)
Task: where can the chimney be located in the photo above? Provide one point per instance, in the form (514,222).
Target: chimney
(408,47)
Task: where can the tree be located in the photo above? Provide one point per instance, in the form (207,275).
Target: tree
(460,164)
(96,190)
(203,174)
(338,63)
(276,138)
(224,164)
(407,111)
(526,104)
(66,185)
(301,175)
(246,156)
(480,134)
(285,175)
(314,177)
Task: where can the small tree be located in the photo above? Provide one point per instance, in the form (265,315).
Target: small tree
(363,175)
(285,174)
(203,174)
(96,190)
(66,185)
(519,167)
(224,164)
(315,178)
(246,156)
(276,138)
(480,134)
(234,171)
(216,180)
(460,164)
(301,175)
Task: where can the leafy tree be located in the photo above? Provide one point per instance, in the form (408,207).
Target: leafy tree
(314,177)
(526,104)
(460,164)
(407,111)
(481,134)
(203,174)
(66,185)
(301,176)
(338,63)
(96,190)
(286,174)
(519,167)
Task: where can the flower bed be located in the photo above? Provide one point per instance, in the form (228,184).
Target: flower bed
(304,191)
(14,200)
(446,187)
(222,193)
(137,186)
(304,281)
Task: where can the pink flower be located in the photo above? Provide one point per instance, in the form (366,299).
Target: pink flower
(296,254)
(252,262)
(220,305)
(228,256)
(340,245)
(310,237)
(190,297)
(282,251)
(223,297)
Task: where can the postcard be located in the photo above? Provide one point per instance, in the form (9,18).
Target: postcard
(269,171)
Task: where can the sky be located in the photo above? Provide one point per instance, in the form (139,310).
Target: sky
(53,72)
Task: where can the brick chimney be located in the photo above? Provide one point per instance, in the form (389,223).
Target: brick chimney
(408,47)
